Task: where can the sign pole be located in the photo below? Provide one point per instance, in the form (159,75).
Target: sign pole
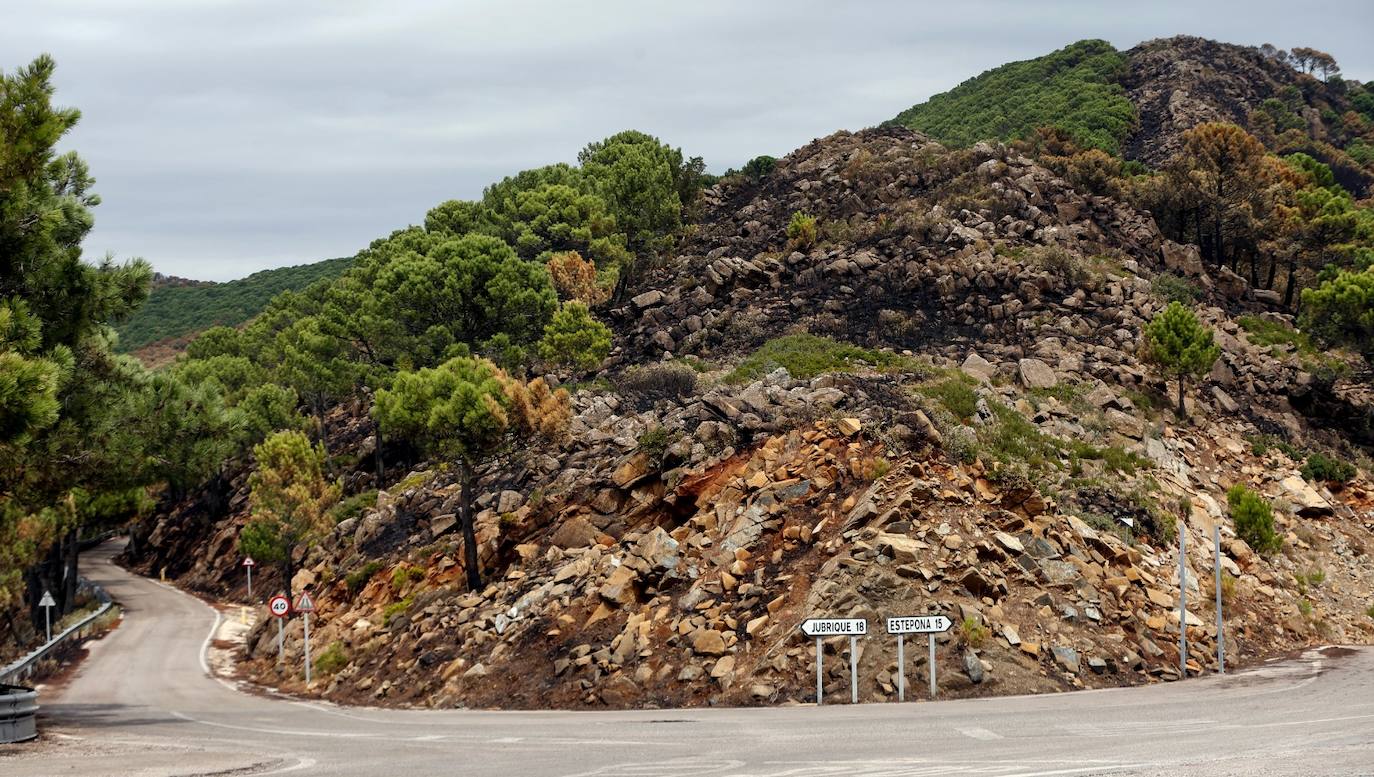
(820,689)
(250,581)
(1182,601)
(47,603)
(853,670)
(901,671)
(307,649)
(281,641)
(1221,631)
(932,665)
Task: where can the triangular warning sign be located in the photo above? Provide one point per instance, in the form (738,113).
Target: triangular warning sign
(47,600)
(249,562)
(305,603)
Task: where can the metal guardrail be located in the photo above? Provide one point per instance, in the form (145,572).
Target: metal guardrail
(23,668)
(18,714)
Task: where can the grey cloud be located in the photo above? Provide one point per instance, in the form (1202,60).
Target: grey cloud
(232,135)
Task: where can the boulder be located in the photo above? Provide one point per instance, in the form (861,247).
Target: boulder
(976,366)
(1035,374)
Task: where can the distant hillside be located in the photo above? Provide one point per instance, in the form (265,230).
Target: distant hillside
(178,308)
(1077,88)
(1138,103)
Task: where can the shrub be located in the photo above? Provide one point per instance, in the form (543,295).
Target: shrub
(655,441)
(390,612)
(955,393)
(332,659)
(658,381)
(575,278)
(402,575)
(356,579)
(972,632)
(801,230)
(1254,519)
(1320,467)
(805,356)
(1063,264)
(353,506)
(1175,288)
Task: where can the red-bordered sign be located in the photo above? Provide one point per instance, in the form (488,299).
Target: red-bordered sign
(249,562)
(279,606)
(305,603)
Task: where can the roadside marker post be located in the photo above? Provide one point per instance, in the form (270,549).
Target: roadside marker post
(1221,631)
(47,603)
(836,627)
(930,625)
(305,605)
(1182,601)
(280,607)
(248,564)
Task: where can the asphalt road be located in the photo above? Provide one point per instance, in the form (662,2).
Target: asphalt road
(143,704)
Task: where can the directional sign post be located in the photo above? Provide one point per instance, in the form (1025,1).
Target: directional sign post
(1221,632)
(916,624)
(1182,601)
(835,627)
(248,564)
(305,605)
(47,603)
(280,607)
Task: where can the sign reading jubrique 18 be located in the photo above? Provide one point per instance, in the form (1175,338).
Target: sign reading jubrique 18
(834,627)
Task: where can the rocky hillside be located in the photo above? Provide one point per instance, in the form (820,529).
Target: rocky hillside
(1139,102)
(927,401)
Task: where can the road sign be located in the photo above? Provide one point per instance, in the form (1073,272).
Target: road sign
(47,603)
(916,624)
(919,624)
(834,627)
(279,606)
(248,564)
(305,605)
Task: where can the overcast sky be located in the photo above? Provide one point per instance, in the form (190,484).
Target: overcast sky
(227,136)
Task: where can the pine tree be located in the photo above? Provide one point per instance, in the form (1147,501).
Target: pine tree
(1179,344)
(290,500)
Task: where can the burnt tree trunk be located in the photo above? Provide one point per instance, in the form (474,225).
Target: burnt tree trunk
(469,530)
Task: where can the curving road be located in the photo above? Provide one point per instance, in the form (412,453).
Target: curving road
(143,704)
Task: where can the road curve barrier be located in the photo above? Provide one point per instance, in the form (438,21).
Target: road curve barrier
(18,714)
(18,704)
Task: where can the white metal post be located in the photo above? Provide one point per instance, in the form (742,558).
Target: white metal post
(250,581)
(901,671)
(1221,631)
(932,666)
(281,640)
(1182,600)
(820,689)
(853,670)
(307,649)
(47,621)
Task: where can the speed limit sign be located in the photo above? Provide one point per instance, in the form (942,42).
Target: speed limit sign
(280,606)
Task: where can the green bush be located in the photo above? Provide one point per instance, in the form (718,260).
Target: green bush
(1320,467)
(390,612)
(357,579)
(655,441)
(1174,288)
(972,632)
(403,575)
(1254,519)
(801,230)
(1268,333)
(353,506)
(806,356)
(955,393)
(332,659)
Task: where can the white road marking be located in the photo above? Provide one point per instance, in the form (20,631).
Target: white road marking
(301,763)
(978,732)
